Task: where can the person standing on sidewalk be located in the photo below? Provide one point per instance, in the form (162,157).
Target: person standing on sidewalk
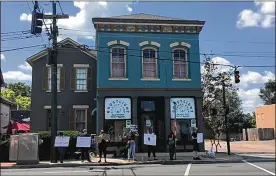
(61,150)
(195,144)
(85,150)
(151,148)
(131,145)
(102,147)
(171,143)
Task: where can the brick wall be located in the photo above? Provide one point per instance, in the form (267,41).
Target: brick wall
(265,116)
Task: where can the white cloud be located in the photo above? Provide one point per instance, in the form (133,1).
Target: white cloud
(252,77)
(2,57)
(129,8)
(26,17)
(264,17)
(17,75)
(82,21)
(25,66)
(250,99)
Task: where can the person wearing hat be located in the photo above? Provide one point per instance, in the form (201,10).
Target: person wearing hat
(84,150)
(102,147)
(195,144)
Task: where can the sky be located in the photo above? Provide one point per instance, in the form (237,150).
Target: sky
(237,33)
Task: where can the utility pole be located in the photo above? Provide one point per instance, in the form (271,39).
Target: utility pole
(37,29)
(226,117)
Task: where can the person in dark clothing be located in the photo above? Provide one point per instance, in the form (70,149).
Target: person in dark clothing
(61,150)
(151,148)
(185,134)
(171,143)
(102,147)
(131,145)
(195,144)
(84,150)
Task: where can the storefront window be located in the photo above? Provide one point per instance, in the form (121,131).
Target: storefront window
(148,105)
(116,129)
(183,130)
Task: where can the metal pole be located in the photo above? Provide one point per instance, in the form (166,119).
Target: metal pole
(54,86)
(226,119)
(174,130)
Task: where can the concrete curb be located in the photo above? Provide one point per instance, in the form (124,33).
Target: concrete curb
(95,165)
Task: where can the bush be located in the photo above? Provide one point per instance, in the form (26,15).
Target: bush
(44,148)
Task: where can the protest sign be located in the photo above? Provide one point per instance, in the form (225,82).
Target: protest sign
(83,141)
(62,141)
(150,139)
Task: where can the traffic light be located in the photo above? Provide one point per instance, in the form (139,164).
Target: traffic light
(36,25)
(237,76)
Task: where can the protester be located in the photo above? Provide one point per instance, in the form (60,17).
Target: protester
(102,147)
(195,144)
(131,144)
(151,148)
(171,143)
(61,150)
(85,150)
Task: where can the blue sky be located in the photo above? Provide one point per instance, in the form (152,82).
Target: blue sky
(243,29)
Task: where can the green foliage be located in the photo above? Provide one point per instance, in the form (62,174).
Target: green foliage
(18,93)
(268,93)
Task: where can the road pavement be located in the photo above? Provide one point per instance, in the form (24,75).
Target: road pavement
(244,168)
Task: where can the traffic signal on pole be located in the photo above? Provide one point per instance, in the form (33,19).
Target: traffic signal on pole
(36,26)
(237,76)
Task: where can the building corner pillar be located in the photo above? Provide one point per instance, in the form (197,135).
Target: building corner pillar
(199,120)
(100,114)
(134,119)
(167,120)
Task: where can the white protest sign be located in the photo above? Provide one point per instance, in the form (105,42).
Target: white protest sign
(199,137)
(134,128)
(62,141)
(83,141)
(150,139)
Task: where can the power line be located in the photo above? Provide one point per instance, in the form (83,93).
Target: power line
(14,49)
(12,32)
(60,7)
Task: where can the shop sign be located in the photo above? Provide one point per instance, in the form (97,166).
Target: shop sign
(128,123)
(117,108)
(185,108)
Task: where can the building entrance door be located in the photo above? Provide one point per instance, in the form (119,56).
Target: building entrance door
(148,125)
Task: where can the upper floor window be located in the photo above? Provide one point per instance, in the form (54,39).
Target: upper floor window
(81,77)
(180,65)
(149,63)
(47,78)
(118,63)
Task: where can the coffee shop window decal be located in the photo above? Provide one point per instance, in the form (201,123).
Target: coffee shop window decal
(185,108)
(117,108)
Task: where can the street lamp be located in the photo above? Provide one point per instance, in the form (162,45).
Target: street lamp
(174,103)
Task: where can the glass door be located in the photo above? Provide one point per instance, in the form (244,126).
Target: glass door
(148,126)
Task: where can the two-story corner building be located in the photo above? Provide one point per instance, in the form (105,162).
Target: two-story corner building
(147,64)
(76,85)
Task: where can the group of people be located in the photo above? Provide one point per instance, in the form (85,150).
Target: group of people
(130,146)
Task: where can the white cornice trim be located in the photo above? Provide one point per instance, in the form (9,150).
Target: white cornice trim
(180,44)
(116,42)
(113,42)
(149,43)
(152,24)
(81,65)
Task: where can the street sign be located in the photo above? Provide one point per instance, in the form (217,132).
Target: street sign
(128,123)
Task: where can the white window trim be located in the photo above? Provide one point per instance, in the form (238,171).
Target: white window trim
(80,106)
(149,43)
(180,44)
(118,42)
(75,124)
(49,107)
(118,79)
(187,70)
(58,68)
(110,64)
(156,62)
(81,66)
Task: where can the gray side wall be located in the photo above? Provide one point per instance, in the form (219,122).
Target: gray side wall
(66,98)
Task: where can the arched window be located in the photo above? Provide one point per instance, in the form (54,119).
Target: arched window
(118,62)
(149,63)
(180,65)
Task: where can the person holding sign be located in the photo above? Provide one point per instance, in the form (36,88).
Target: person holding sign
(61,149)
(151,148)
(131,144)
(195,144)
(171,143)
(102,146)
(85,150)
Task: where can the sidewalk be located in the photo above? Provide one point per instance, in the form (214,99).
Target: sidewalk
(182,158)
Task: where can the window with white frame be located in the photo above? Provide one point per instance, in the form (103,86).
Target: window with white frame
(80,119)
(180,65)
(81,78)
(149,63)
(118,62)
(50,76)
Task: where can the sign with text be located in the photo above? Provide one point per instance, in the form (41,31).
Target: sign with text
(128,123)
(62,141)
(199,137)
(185,108)
(150,139)
(117,108)
(134,128)
(83,141)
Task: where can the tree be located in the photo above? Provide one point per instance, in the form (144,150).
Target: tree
(23,102)
(20,89)
(268,93)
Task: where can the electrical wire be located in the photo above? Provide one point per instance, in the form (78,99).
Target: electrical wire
(24,31)
(14,49)
(60,7)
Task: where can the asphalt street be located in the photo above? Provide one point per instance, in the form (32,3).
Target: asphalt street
(244,168)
